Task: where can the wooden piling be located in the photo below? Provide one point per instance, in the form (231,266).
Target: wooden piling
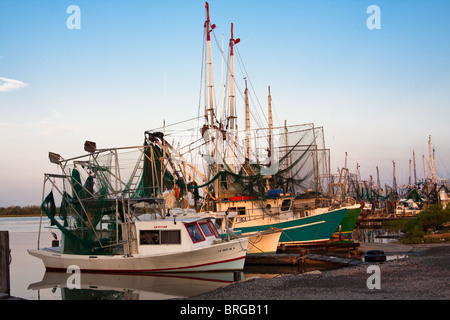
(4,263)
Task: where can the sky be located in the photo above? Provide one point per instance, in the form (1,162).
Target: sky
(379,93)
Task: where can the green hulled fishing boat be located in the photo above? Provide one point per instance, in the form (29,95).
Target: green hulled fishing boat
(347,224)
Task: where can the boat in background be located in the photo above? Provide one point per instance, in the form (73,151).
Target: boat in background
(347,224)
(257,173)
(259,242)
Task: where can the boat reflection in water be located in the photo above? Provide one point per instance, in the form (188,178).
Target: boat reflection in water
(152,286)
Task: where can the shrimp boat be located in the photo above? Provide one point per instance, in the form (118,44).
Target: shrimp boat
(263,241)
(106,226)
(317,226)
(254,177)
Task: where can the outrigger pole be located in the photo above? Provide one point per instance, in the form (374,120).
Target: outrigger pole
(209,27)
(232,114)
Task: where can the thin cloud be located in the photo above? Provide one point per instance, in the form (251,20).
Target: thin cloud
(51,128)
(7,84)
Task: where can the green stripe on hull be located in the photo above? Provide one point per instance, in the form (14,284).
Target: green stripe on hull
(349,221)
(312,228)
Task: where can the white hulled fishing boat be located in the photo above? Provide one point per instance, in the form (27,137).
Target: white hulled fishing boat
(104,231)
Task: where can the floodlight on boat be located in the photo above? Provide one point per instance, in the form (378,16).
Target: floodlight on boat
(55,158)
(90,146)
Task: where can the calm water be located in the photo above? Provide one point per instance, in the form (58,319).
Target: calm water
(29,279)
(25,269)
(376,235)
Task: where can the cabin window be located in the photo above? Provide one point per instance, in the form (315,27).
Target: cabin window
(218,223)
(241,211)
(285,205)
(213,228)
(194,232)
(159,237)
(170,237)
(206,229)
(149,237)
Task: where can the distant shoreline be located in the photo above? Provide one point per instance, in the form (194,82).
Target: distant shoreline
(17,211)
(19,215)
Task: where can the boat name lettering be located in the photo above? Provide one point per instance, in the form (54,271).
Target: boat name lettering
(227,249)
(160,227)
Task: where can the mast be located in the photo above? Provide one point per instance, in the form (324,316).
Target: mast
(425,172)
(378,180)
(247,121)
(358,174)
(210,111)
(345,174)
(221,84)
(409,179)
(270,125)
(414,165)
(432,169)
(288,155)
(232,96)
(232,105)
(208,28)
(394,180)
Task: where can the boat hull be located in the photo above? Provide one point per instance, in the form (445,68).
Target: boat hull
(263,242)
(225,256)
(349,221)
(315,228)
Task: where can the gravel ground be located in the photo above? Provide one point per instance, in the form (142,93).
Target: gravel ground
(423,275)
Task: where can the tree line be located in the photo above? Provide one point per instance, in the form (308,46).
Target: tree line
(429,221)
(20,211)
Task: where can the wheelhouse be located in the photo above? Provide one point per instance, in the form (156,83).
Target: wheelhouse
(166,235)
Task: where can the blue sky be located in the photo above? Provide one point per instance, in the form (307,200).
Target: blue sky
(378,94)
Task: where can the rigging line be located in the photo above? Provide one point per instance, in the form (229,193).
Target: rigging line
(255,115)
(221,82)
(253,111)
(201,76)
(442,163)
(251,84)
(227,62)
(213,80)
(274,110)
(173,124)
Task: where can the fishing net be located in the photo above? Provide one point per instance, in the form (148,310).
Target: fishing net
(101,191)
(292,159)
(98,192)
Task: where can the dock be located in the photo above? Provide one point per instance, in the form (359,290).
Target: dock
(334,259)
(275,259)
(5,261)
(346,246)
(344,253)
(4,264)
